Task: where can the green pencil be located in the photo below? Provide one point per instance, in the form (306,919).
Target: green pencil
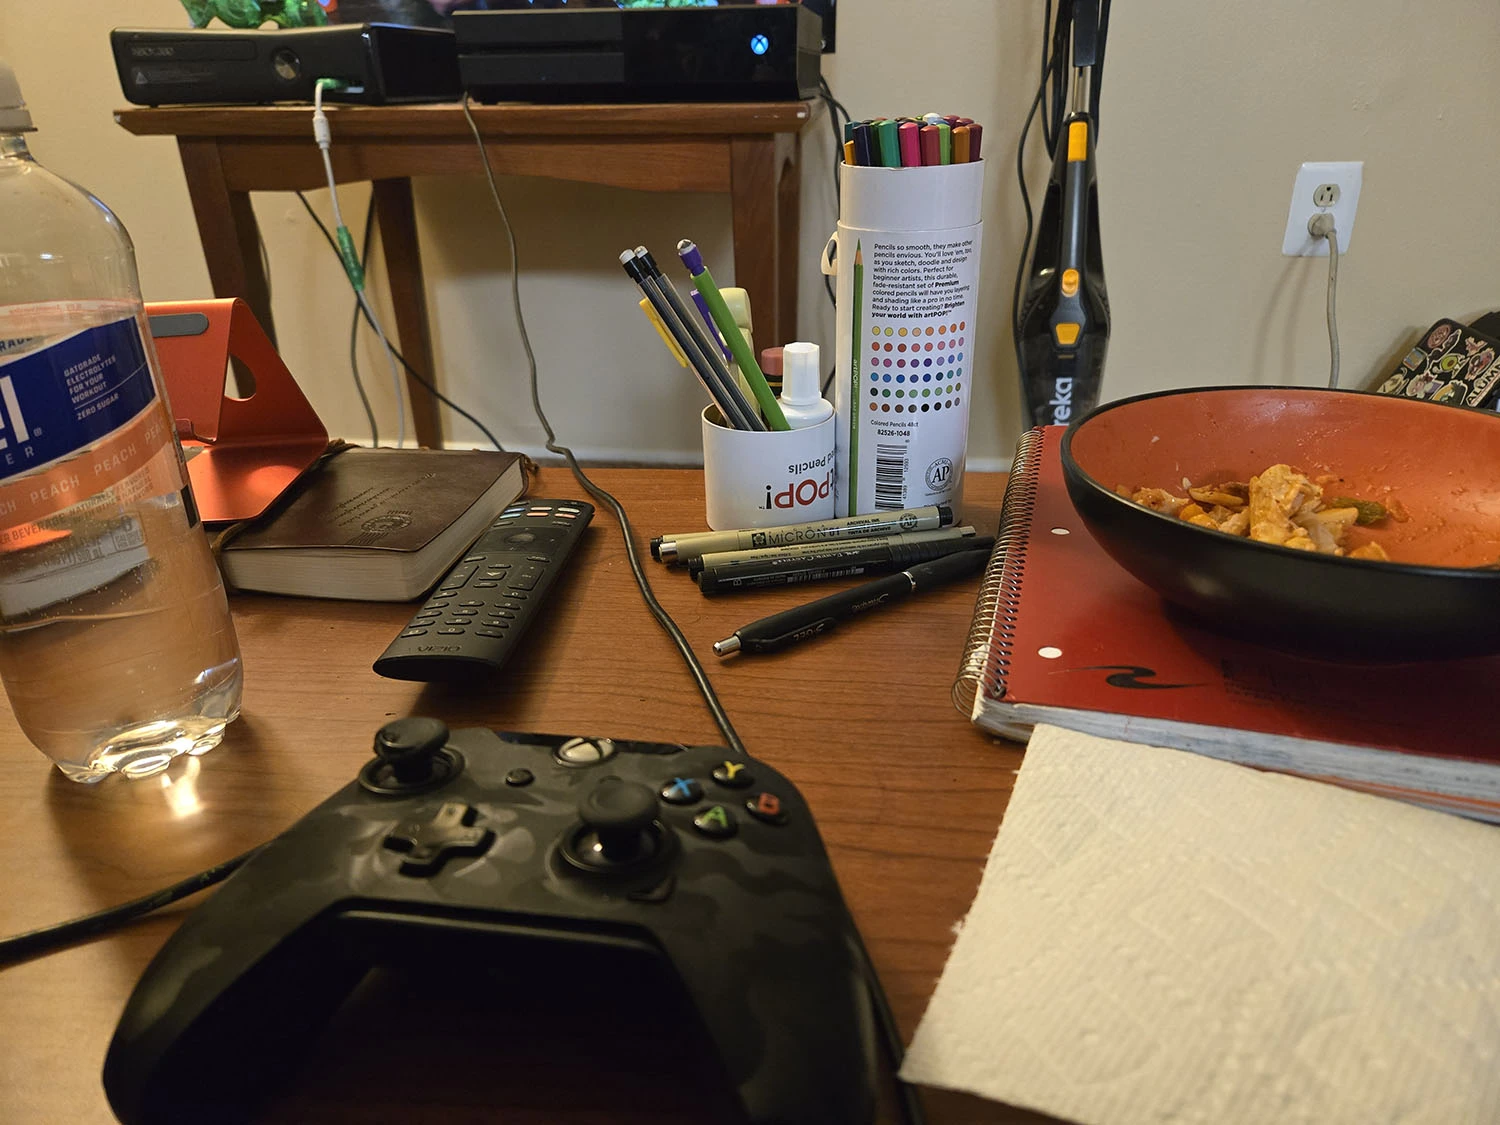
(724,319)
(854,352)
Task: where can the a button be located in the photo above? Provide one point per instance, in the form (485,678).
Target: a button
(415,633)
(485,585)
(471,604)
(428,844)
(503,614)
(474,558)
(659,893)
(457,621)
(525,578)
(517,595)
(537,558)
(715,822)
(1066,333)
(733,775)
(498,524)
(572,511)
(566,516)
(450,631)
(494,623)
(514,510)
(519,777)
(437,605)
(766,807)
(502,604)
(1069,282)
(539,512)
(585,751)
(682,791)
(520,537)
(463,612)
(489,633)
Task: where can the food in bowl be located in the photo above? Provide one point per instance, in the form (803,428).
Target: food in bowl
(1279,505)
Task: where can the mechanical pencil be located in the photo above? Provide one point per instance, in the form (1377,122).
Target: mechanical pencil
(776,632)
(876,559)
(688,546)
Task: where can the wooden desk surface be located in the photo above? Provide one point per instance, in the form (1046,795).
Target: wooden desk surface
(447,118)
(907,794)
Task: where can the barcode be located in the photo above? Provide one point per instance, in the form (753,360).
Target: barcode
(890,477)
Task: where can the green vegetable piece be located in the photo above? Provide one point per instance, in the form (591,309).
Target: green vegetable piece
(1370,511)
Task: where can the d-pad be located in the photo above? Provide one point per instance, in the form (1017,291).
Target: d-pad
(427,844)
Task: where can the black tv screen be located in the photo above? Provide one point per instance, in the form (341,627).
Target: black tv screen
(435,13)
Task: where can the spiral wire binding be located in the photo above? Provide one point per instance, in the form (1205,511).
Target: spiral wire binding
(987,651)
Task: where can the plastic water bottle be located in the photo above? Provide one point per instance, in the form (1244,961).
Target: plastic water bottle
(116,646)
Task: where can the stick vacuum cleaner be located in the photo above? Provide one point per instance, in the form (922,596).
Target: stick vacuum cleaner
(1063,329)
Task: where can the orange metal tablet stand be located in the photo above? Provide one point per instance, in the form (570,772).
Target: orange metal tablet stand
(248,450)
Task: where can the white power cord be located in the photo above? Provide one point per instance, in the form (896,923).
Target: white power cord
(1321,226)
(323,134)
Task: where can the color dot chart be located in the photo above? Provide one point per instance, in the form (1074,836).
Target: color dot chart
(917,370)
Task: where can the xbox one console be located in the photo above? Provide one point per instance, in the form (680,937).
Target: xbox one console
(733,52)
(459,851)
(377,63)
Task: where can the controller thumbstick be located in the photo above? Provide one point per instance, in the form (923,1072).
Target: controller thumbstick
(619,812)
(409,747)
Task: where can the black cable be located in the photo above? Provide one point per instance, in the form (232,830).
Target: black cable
(401,359)
(663,618)
(49,939)
(1046,59)
(1015,297)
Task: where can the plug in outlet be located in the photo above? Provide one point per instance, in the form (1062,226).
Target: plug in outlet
(1330,187)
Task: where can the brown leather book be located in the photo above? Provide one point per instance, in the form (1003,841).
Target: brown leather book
(374,524)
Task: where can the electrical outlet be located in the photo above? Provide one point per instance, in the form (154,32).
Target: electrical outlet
(1322,187)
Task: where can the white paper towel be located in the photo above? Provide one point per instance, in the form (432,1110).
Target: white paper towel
(1161,937)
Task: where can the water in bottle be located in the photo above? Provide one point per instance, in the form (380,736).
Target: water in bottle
(116,646)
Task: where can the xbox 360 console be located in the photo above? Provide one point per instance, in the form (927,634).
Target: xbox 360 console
(733,52)
(377,63)
(457,856)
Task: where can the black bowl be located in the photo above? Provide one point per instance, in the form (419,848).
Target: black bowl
(1442,463)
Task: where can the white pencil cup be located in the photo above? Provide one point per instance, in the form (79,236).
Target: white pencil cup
(756,478)
(906,257)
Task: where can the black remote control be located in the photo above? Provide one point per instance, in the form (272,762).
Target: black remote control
(478,613)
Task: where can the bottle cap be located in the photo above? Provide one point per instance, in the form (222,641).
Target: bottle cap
(801,379)
(14,117)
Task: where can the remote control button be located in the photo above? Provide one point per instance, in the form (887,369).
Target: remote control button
(520,537)
(456,621)
(484,585)
(536,558)
(733,775)
(570,511)
(438,605)
(489,632)
(526,578)
(415,633)
(494,623)
(471,604)
(540,512)
(474,558)
(503,604)
(766,807)
(519,777)
(503,614)
(428,614)
(520,597)
(464,615)
(682,791)
(450,631)
(584,751)
(716,822)
(428,844)
(566,515)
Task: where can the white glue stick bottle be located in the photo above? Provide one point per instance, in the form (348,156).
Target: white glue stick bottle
(801,378)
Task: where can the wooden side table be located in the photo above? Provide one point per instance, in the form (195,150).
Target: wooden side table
(750,151)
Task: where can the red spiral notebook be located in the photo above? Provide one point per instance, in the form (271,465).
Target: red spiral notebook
(1063,635)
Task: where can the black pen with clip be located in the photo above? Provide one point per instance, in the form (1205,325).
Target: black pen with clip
(790,626)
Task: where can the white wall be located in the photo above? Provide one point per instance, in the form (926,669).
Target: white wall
(1209,106)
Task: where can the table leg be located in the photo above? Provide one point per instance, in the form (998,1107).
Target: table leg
(764,198)
(227,229)
(403,268)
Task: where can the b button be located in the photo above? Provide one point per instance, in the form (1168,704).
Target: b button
(766,807)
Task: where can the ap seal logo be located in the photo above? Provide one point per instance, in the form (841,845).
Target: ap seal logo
(758,539)
(939,473)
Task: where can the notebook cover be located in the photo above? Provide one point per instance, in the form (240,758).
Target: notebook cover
(1069,630)
(379,499)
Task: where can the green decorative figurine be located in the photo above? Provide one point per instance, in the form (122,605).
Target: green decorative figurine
(253,13)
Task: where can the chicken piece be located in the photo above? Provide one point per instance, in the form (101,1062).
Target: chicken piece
(1276,496)
(1159,500)
(1231,494)
(1370,551)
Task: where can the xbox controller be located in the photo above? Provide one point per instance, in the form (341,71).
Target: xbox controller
(487,841)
